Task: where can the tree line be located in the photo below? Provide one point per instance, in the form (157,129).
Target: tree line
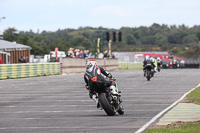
(181,40)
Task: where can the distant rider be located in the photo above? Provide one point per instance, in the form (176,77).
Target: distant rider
(147,62)
(154,64)
(159,62)
(95,73)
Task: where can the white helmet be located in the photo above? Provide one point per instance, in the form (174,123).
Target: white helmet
(90,65)
(146,57)
(152,59)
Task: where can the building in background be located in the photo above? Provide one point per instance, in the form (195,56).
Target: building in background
(10,52)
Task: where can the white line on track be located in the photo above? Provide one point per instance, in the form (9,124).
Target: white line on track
(144,127)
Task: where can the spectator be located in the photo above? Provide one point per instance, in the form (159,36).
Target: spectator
(76,52)
(80,55)
(105,54)
(88,53)
(21,60)
(0,61)
(85,54)
(70,53)
(113,56)
(25,60)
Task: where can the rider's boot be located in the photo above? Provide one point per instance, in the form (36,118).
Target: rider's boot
(94,97)
(155,69)
(144,73)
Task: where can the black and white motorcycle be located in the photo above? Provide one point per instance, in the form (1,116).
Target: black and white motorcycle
(109,98)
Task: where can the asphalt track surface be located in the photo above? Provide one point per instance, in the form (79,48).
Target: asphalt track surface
(60,104)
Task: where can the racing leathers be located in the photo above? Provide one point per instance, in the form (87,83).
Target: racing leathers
(96,73)
(159,62)
(147,62)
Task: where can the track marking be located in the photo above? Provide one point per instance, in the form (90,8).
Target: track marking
(144,127)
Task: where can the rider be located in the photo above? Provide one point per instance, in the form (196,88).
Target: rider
(95,73)
(154,63)
(146,62)
(159,62)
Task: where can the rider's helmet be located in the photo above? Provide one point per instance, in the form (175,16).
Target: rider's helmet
(90,65)
(146,57)
(152,59)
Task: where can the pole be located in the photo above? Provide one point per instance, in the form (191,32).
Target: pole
(98,46)
(110,48)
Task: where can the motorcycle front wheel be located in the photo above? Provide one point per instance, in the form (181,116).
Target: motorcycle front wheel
(105,104)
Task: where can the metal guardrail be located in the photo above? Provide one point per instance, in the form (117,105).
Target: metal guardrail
(28,70)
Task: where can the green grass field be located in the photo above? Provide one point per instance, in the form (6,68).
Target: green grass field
(194,96)
(188,128)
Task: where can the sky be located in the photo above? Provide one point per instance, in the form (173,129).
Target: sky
(51,15)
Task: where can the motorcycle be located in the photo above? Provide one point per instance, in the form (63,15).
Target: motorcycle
(110,102)
(173,64)
(149,72)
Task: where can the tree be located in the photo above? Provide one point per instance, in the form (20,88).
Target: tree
(61,44)
(190,39)
(10,34)
(148,40)
(160,39)
(80,41)
(131,40)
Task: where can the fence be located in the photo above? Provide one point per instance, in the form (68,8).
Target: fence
(28,70)
(130,65)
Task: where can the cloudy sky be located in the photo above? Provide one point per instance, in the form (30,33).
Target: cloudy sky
(50,15)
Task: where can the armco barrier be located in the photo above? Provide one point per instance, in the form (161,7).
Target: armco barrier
(28,70)
(130,65)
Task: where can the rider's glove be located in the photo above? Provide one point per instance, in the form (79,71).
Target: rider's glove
(109,75)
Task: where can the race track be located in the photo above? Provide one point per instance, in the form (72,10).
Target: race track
(60,104)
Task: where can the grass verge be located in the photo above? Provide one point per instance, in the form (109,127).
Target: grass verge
(187,128)
(194,96)
(183,127)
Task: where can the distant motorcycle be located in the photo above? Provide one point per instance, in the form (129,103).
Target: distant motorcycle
(110,103)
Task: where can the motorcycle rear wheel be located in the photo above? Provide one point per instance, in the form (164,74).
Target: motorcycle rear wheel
(110,111)
(148,75)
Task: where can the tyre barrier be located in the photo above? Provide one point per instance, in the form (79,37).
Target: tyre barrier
(130,65)
(8,71)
